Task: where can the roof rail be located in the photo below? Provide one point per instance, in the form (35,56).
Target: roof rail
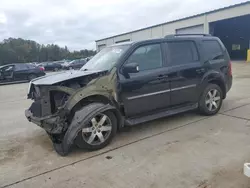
(182,35)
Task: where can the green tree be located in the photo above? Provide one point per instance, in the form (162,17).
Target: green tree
(22,51)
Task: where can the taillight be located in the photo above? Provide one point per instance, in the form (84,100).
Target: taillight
(41,68)
(230,72)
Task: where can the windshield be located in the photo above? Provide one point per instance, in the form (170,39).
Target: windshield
(71,62)
(105,59)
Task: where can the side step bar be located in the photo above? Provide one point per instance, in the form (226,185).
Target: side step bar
(161,114)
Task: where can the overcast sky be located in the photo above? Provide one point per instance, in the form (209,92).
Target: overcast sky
(78,23)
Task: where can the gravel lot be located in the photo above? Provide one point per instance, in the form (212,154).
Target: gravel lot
(186,150)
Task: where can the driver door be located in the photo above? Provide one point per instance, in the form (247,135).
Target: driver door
(7,72)
(147,90)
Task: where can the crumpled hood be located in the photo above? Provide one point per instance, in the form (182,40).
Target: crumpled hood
(61,76)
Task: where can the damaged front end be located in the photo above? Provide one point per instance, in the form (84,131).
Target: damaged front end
(47,109)
(54,105)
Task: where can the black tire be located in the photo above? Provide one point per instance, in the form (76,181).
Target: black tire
(31,77)
(81,143)
(205,106)
(56,69)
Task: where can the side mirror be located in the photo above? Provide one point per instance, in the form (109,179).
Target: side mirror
(130,68)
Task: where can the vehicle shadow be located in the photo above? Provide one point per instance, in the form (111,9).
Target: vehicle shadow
(129,135)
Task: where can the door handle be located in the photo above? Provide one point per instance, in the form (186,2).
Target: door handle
(162,77)
(202,70)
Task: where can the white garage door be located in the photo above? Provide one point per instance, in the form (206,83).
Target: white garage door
(100,47)
(198,29)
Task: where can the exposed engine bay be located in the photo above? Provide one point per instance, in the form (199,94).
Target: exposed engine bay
(47,109)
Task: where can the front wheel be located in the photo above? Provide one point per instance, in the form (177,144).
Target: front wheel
(211,100)
(56,69)
(97,133)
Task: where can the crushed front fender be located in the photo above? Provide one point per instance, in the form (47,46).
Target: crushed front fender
(81,118)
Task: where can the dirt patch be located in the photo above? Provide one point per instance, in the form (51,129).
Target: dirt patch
(40,139)
(21,147)
(7,155)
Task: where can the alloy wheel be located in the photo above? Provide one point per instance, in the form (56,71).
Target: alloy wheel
(31,77)
(213,100)
(97,130)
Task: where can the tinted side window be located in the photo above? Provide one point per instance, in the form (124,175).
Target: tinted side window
(182,52)
(212,49)
(30,66)
(148,57)
(82,61)
(20,67)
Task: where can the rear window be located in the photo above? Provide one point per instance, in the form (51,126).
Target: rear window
(182,52)
(212,49)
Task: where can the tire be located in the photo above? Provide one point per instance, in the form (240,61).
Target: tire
(211,100)
(31,77)
(82,138)
(56,69)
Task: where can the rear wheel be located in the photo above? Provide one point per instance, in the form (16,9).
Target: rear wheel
(97,133)
(31,77)
(211,100)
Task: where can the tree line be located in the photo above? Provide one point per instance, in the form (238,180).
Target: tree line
(18,50)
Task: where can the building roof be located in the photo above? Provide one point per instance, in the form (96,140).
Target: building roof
(216,10)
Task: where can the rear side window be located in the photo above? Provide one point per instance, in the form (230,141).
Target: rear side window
(20,67)
(30,66)
(182,52)
(212,49)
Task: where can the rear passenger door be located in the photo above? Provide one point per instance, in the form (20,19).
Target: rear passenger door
(185,71)
(21,72)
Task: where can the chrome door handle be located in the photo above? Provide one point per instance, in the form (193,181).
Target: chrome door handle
(200,70)
(161,77)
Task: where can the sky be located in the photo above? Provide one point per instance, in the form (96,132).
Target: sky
(78,23)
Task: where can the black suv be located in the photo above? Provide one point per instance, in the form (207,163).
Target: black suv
(130,83)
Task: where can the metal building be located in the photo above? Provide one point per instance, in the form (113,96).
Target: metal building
(231,24)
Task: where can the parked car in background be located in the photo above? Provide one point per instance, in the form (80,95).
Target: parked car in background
(61,62)
(51,66)
(75,64)
(40,66)
(89,58)
(19,72)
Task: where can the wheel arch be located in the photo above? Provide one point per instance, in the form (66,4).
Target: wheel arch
(97,98)
(221,84)
(84,115)
(214,77)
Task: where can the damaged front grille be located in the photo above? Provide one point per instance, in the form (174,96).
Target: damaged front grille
(57,99)
(46,101)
